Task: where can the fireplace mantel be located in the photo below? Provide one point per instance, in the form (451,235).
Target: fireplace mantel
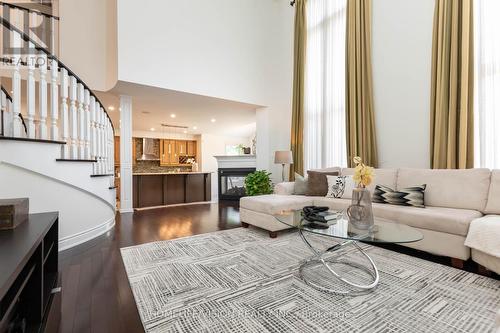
(236,161)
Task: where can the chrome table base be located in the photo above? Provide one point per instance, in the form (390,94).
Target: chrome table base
(347,287)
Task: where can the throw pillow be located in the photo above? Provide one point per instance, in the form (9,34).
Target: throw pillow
(411,196)
(340,186)
(317,183)
(300,185)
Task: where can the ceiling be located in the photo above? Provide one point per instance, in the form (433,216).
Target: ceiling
(154,106)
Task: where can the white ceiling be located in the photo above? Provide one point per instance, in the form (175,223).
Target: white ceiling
(153,106)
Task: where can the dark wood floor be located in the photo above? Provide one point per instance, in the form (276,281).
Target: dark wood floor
(96,293)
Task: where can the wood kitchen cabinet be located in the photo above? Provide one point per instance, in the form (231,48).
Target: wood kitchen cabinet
(181,148)
(168,152)
(117,151)
(191,148)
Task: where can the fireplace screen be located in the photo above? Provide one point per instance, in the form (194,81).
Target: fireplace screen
(232,183)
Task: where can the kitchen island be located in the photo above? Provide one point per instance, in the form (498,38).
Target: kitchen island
(170,188)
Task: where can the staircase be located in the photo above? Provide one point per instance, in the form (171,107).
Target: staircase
(56,138)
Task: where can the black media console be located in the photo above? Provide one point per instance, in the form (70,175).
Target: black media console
(30,299)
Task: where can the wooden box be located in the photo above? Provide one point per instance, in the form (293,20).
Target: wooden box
(13,212)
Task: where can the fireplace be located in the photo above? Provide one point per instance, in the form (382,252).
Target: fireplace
(232,182)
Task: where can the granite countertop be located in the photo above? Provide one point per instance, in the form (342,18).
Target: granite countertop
(169,173)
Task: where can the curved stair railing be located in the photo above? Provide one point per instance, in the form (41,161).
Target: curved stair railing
(5,107)
(71,114)
(40,26)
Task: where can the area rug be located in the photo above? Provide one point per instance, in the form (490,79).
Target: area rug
(240,280)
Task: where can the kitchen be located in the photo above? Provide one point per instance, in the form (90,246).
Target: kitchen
(165,171)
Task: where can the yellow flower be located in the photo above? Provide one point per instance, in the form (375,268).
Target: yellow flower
(363,175)
(357,160)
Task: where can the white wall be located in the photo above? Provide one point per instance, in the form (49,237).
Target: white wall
(237,50)
(402,45)
(88,41)
(213,145)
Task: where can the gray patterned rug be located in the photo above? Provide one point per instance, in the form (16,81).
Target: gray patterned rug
(240,280)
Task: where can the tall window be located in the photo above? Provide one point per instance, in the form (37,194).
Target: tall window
(324,114)
(487,83)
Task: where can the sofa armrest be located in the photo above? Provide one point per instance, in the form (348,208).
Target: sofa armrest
(285,188)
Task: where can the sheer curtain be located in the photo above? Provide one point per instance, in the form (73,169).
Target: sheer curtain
(487,83)
(324,107)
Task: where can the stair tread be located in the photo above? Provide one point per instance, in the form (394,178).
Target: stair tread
(32,140)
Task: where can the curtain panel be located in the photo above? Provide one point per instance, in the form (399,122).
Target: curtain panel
(299,60)
(452,86)
(360,118)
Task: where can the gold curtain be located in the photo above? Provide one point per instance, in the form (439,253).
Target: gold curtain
(360,122)
(299,61)
(452,117)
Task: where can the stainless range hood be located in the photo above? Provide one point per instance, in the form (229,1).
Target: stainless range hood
(148,151)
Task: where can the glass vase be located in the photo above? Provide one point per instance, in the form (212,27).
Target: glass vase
(360,211)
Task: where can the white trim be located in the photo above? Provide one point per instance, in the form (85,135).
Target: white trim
(84,236)
(126,210)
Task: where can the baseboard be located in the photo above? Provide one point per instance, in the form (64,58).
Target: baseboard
(126,210)
(84,236)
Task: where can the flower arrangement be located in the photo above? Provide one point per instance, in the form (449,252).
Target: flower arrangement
(363,174)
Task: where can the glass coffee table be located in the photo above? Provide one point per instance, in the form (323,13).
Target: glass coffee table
(383,231)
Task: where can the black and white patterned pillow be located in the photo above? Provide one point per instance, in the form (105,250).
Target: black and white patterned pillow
(411,196)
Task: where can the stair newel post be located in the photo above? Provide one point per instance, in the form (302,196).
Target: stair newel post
(30,91)
(92,131)
(102,141)
(54,100)
(42,95)
(16,85)
(65,150)
(73,118)
(3,110)
(81,121)
(86,111)
(52,35)
(111,143)
(99,139)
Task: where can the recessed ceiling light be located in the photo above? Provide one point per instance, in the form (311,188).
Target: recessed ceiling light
(152,129)
(172,115)
(213,120)
(195,128)
(111,108)
(12,91)
(185,131)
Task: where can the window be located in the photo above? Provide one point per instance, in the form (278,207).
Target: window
(324,109)
(487,83)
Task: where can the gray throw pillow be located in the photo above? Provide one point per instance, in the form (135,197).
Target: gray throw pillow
(317,182)
(411,196)
(300,186)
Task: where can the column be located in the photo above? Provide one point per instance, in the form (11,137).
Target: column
(126,154)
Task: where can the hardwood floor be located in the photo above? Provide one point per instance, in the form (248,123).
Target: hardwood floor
(96,293)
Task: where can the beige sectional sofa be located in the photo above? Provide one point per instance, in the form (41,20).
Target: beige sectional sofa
(454,199)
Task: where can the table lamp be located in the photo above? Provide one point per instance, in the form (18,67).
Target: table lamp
(283,157)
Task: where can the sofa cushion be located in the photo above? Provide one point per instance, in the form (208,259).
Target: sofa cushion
(332,203)
(386,177)
(493,205)
(484,234)
(274,203)
(448,220)
(463,189)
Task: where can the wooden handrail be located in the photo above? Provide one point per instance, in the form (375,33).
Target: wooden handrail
(9,97)
(31,10)
(38,47)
